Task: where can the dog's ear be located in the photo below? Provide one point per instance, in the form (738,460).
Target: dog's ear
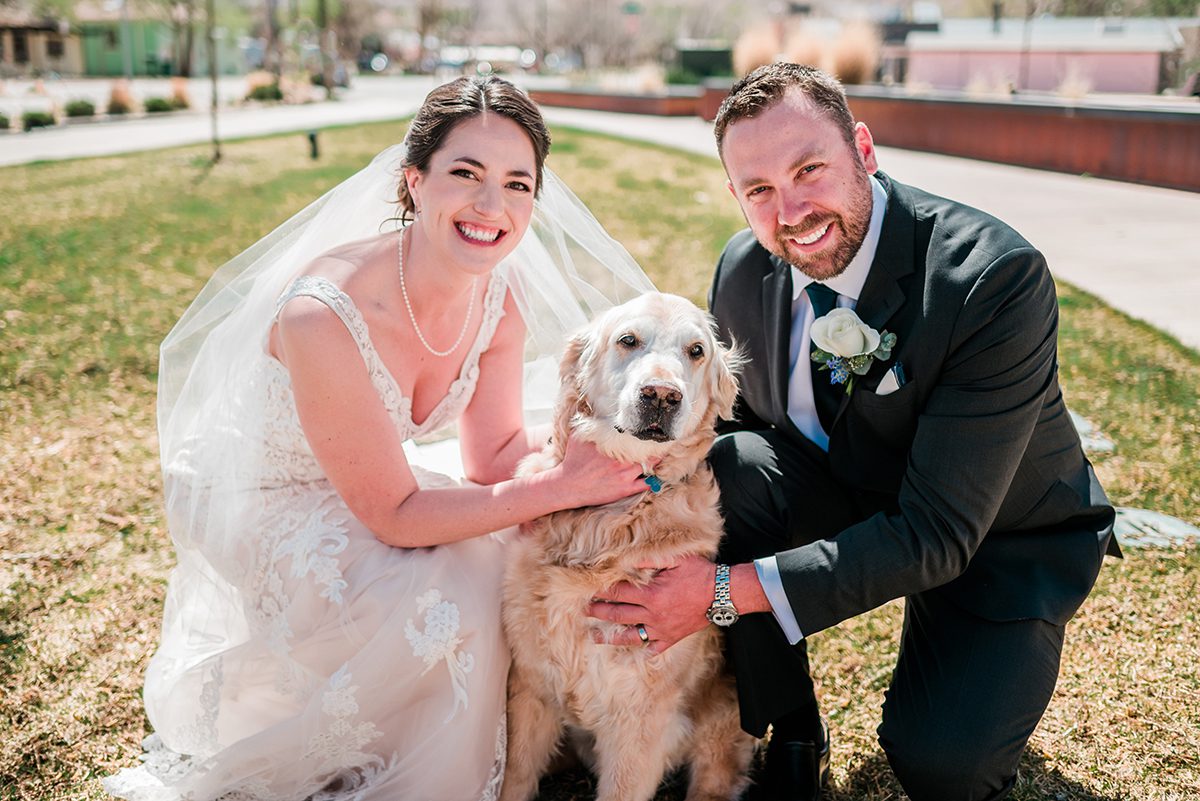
(726,366)
(570,372)
(571,399)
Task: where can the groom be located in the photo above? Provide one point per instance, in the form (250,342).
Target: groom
(944,470)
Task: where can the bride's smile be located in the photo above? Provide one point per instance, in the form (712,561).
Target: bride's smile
(476,194)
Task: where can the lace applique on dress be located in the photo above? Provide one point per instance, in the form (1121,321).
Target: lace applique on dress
(200,737)
(491,791)
(314,549)
(305,535)
(439,641)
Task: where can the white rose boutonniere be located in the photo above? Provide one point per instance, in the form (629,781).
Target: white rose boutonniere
(847,347)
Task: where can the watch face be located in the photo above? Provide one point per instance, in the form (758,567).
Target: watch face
(723,615)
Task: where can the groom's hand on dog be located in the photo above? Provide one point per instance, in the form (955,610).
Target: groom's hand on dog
(670,607)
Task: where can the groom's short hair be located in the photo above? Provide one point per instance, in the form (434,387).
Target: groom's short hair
(766,86)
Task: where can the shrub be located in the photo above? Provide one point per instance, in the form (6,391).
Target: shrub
(156,105)
(1075,85)
(266,91)
(681,76)
(802,47)
(36,119)
(120,100)
(756,47)
(3,122)
(706,62)
(855,54)
(80,108)
(179,93)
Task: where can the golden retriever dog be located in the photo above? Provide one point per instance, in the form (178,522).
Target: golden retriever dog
(645,382)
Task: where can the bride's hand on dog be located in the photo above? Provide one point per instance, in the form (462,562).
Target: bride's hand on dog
(589,478)
(669,608)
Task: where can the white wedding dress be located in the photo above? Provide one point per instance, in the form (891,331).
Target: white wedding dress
(315,662)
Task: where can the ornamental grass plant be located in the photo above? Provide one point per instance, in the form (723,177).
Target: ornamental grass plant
(120,99)
(88,290)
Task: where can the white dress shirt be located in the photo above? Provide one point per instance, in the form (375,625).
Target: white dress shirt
(802,408)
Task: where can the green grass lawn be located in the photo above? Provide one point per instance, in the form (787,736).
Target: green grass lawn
(99,257)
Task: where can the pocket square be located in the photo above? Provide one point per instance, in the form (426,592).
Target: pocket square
(892,380)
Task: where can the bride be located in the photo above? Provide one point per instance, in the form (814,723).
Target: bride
(331,630)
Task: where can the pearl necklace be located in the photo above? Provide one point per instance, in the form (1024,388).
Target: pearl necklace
(413,317)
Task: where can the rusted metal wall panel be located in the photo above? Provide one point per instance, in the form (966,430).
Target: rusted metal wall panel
(668,105)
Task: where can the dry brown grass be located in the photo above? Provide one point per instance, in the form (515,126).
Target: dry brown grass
(99,257)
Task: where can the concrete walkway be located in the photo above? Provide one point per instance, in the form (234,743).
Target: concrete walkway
(1133,246)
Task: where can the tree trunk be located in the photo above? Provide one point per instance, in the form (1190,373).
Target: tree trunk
(213,67)
(184,66)
(273,58)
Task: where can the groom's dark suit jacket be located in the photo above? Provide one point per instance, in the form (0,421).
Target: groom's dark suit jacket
(970,478)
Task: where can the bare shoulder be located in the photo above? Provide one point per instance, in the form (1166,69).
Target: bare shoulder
(306,329)
(359,269)
(511,328)
(307,324)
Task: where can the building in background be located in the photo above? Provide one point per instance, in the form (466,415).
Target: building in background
(31,44)
(1070,55)
(102,34)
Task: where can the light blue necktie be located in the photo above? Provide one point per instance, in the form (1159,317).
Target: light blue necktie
(827,396)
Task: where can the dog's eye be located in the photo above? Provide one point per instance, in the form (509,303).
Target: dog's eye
(696,351)
(629,341)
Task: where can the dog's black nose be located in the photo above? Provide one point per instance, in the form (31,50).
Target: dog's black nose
(661,395)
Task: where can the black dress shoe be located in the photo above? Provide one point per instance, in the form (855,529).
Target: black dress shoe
(794,770)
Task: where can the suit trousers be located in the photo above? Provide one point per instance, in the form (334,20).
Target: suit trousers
(966,692)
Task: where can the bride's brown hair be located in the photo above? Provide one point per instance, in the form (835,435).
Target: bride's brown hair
(460,100)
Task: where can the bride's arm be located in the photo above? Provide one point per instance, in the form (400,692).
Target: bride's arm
(359,449)
(492,429)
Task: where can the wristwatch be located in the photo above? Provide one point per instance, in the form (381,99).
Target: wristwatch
(722,612)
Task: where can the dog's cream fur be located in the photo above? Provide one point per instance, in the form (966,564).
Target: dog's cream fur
(643,713)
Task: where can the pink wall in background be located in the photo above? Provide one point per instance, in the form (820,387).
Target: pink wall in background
(1102,72)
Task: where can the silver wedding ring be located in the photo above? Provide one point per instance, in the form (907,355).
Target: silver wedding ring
(641,630)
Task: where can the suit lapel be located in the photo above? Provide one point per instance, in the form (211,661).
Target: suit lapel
(882,295)
(777,316)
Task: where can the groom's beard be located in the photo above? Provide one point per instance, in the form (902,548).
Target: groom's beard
(853,226)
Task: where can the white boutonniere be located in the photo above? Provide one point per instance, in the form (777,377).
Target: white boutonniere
(847,347)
